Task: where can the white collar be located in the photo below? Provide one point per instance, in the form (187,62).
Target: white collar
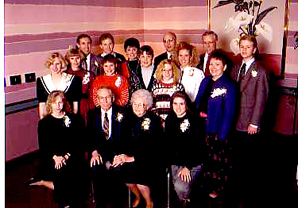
(63,85)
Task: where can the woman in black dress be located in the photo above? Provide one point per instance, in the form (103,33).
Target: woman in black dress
(71,85)
(61,154)
(140,153)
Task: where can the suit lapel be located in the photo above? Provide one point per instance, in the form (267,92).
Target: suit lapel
(245,80)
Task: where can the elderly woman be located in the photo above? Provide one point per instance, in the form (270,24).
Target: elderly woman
(74,58)
(186,146)
(191,76)
(61,155)
(216,104)
(166,83)
(71,85)
(138,159)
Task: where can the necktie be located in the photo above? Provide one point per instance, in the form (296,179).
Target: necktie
(207,71)
(106,126)
(242,72)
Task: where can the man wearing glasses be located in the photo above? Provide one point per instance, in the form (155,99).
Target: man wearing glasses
(169,42)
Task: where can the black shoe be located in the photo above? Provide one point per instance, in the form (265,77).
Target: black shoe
(30,181)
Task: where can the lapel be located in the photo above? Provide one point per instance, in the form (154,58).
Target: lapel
(246,79)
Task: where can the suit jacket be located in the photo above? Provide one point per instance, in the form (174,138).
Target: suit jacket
(201,65)
(94,64)
(253,92)
(106,148)
(141,81)
(159,58)
(220,107)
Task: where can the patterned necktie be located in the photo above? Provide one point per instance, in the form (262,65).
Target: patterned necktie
(106,126)
(242,72)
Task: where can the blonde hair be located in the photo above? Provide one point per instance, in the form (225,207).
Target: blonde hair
(192,52)
(52,98)
(175,69)
(52,57)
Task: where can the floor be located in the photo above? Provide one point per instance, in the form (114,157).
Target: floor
(276,191)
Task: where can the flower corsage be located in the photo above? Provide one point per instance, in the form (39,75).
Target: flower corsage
(146,124)
(66,120)
(184,125)
(218,91)
(119,117)
(254,73)
(86,78)
(118,82)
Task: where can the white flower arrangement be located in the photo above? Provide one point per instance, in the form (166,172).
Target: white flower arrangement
(191,72)
(67,121)
(119,117)
(247,21)
(218,91)
(118,82)
(146,124)
(86,78)
(184,125)
(254,73)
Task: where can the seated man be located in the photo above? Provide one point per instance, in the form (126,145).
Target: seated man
(104,126)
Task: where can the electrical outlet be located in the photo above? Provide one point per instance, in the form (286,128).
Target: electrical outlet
(14,80)
(30,77)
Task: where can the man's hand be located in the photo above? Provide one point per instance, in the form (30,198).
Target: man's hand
(96,158)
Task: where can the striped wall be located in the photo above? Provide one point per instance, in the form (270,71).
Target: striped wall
(34,28)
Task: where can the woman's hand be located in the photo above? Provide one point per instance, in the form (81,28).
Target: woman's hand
(118,160)
(184,175)
(59,161)
(96,158)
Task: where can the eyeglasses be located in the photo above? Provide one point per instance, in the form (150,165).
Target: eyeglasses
(138,105)
(169,40)
(104,98)
(209,43)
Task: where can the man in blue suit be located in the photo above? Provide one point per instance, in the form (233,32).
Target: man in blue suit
(104,127)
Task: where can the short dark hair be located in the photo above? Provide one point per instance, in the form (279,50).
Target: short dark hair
(83,36)
(109,58)
(210,32)
(132,42)
(147,49)
(105,36)
(219,54)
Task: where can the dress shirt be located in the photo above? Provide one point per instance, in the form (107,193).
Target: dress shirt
(205,61)
(109,117)
(169,55)
(146,74)
(88,62)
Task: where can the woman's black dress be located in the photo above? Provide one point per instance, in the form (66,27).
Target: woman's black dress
(58,136)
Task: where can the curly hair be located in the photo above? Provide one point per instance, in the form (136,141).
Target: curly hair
(145,94)
(175,69)
(52,57)
(192,52)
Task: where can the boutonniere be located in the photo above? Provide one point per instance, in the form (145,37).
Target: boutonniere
(118,82)
(86,78)
(191,72)
(146,124)
(184,125)
(119,117)
(66,120)
(218,91)
(254,73)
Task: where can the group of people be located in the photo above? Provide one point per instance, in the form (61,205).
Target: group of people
(133,118)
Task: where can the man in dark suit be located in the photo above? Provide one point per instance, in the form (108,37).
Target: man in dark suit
(91,62)
(209,39)
(169,42)
(253,87)
(104,126)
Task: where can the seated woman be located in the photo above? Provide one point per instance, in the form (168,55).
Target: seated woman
(165,84)
(216,105)
(186,146)
(71,85)
(74,58)
(110,79)
(62,158)
(141,134)
(191,76)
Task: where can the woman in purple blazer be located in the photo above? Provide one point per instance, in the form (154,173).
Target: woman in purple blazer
(215,103)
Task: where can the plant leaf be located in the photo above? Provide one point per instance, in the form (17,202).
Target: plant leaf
(263,14)
(222,3)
